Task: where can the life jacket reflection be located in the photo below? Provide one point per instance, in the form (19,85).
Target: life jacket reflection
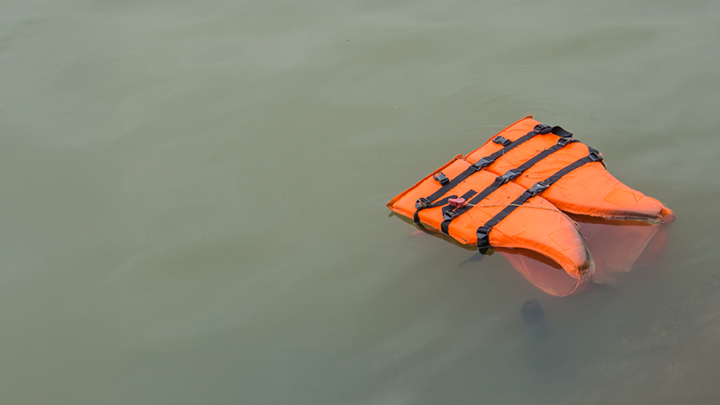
(616,246)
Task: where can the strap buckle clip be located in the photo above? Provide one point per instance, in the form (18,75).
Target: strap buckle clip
(441,178)
(565,141)
(449,215)
(422,202)
(502,141)
(483,234)
(538,187)
(595,156)
(542,129)
(509,175)
(482,163)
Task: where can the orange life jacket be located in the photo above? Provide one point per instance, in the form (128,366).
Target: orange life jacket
(491,197)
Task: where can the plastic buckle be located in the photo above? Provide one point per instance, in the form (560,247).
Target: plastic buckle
(595,156)
(483,233)
(565,141)
(502,141)
(422,202)
(482,163)
(542,129)
(449,215)
(441,178)
(509,175)
(538,187)
(457,202)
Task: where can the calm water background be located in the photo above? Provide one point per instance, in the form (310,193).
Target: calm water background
(193,201)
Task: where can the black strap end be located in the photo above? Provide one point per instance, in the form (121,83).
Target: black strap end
(559,131)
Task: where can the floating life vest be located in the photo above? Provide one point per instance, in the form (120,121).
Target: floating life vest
(509,194)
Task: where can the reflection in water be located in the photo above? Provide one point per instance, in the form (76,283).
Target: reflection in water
(616,246)
(544,352)
(534,319)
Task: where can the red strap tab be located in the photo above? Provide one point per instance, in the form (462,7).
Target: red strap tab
(457,202)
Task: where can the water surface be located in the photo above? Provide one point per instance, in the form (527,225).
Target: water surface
(194,199)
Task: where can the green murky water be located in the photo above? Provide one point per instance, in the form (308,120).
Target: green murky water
(193,201)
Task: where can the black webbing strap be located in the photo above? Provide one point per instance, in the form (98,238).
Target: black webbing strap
(488,160)
(511,174)
(540,129)
(483,232)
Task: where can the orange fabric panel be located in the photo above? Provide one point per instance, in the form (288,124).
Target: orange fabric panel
(589,190)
